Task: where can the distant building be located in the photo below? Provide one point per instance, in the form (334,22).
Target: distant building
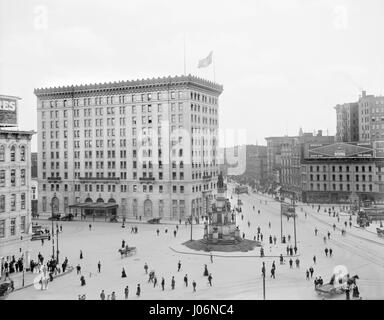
(332,173)
(371,118)
(15,210)
(292,153)
(347,127)
(246,164)
(274,161)
(362,120)
(34,184)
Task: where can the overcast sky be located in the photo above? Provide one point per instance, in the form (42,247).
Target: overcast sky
(283,64)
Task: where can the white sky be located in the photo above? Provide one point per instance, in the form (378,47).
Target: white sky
(283,64)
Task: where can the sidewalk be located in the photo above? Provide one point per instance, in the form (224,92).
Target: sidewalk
(30,278)
(120,221)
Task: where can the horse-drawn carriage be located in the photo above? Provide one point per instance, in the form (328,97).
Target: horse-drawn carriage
(5,289)
(336,287)
(154,221)
(380,232)
(127,251)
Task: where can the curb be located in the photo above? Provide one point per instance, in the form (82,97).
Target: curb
(222,256)
(70,269)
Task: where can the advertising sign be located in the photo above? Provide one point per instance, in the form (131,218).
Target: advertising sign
(8,111)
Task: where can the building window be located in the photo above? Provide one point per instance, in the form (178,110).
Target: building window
(22,224)
(2,153)
(13,226)
(13,153)
(2,178)
(2,203)
(13,177)
(22,202)
(2,228)
(22,153)
(22,177)
(44,206)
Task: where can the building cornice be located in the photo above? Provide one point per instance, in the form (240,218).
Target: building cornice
(121,87)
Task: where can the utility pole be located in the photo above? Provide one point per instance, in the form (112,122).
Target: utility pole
(294,219)
(52,235)
(263,274)
(191,225)
(281,220)
(57,243)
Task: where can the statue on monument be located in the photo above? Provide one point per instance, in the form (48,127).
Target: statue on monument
(220,181)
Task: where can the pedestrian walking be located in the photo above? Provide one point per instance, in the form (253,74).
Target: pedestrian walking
(287,250)
(274,240)
(173,282)
(126,292)
(102,295)
(81,254)
(194,285)
(78,269)
(206,273)
(273,273)
(162,284)
(291,250)
(290,262)
(90,227)
(307,275)
(211,256)
(146,268)
(123,274)
(297,261)
(269,224)
(311,271)
(178,266)
(261,236)
(325,239)
(330,252)
(157,231)
(99,266)
(295,249)
(174,233)
(243,235)
(314,259)
(123,244)
(154,281)
(138,290)
(113,296)
(329,235)
(186,280)
(210,279)
(315,231)
(249,224)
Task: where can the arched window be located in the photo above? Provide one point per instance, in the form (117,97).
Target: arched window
(22,153)
(13,153)
(2,153)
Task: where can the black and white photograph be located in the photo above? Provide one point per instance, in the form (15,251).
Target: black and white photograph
(206,151)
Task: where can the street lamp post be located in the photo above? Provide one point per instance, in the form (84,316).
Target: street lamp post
(294,218)
(57,242)
(52,235)
(263,274)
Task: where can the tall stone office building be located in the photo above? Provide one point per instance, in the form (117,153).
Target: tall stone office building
(135,148)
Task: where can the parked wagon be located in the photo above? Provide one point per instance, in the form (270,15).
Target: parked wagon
(154,221)
(127,251)
(5,289)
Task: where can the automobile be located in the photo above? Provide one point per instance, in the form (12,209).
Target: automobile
(40,235)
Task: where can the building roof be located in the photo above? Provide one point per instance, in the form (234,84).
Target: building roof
(119,87)
(16,132)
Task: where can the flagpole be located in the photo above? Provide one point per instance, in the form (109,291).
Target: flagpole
(185,66)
